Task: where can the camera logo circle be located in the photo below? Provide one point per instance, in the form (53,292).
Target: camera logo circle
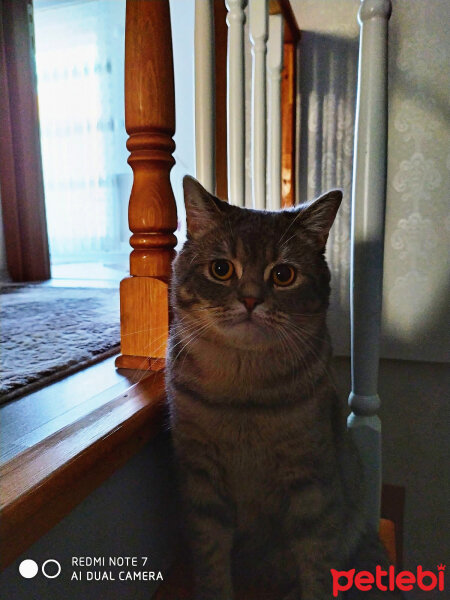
(29,568)
(51,574)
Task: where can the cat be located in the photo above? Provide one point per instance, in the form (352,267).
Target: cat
(269,481)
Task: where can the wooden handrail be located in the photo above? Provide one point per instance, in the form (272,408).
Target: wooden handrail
(152,214)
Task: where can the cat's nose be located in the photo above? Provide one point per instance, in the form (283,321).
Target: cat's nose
(250,302)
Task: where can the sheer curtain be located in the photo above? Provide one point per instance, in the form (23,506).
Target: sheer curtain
(328,67)
(80,69)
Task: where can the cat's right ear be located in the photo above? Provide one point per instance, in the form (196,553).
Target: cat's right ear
(203,210)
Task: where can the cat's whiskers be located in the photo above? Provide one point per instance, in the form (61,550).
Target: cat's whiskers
(193,340)
(314,352)
(289,226)
(305,332)
(138,378)
(298,337)
(186,332)
(291,345)
(192,337)
(285,243)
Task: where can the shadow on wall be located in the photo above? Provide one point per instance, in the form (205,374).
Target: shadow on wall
(415,299)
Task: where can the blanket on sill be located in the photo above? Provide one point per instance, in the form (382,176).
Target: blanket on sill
(49,332)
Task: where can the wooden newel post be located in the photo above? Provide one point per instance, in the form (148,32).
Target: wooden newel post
(152,214)
(366,276)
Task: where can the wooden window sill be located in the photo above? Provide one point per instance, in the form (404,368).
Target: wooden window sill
(45,481)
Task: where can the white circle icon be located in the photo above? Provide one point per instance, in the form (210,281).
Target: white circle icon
(51,575)
(28,568)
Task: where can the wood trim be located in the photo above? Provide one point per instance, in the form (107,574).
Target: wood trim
(152,213)
(220,45)
(288,100)
(22,186)
(44,483)
(288,123)
(388,539)
(393,509)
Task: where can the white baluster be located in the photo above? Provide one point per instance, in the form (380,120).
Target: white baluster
(236,101)
(369,190)
(258,21)
(204,94)
(275,66)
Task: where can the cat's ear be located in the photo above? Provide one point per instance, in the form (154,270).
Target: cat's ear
(203,210)
(318,216)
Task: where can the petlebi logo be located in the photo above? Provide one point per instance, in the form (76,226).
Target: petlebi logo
(388,580)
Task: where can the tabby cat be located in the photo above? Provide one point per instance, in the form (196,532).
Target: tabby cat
(258,430)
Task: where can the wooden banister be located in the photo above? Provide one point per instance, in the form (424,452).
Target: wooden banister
(288,101)
(150,123)
(220,37)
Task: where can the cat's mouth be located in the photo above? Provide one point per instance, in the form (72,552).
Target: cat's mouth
(247,326)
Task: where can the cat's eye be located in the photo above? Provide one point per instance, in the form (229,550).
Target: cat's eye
(283,275)
(222,269)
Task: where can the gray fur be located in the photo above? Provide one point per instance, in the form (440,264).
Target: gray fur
(258,430)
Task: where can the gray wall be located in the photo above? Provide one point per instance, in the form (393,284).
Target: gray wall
(131,514)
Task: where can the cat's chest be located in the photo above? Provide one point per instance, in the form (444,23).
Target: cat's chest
(255,447)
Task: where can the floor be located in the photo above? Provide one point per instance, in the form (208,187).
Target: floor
(89,274)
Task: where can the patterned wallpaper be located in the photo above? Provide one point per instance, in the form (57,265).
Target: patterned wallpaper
(416,280)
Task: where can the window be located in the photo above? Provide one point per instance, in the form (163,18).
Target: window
(80,73)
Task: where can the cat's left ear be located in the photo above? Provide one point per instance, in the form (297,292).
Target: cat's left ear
(318,216)
(203,210)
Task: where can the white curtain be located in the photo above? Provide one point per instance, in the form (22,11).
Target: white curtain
(328,68)
(80,67)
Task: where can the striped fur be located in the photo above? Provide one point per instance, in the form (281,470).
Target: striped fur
(258,430)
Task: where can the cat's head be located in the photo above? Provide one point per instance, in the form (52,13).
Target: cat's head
(251,277)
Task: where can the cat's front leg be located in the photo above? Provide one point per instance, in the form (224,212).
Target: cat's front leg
(313,567)
(210,530)
(312,528)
